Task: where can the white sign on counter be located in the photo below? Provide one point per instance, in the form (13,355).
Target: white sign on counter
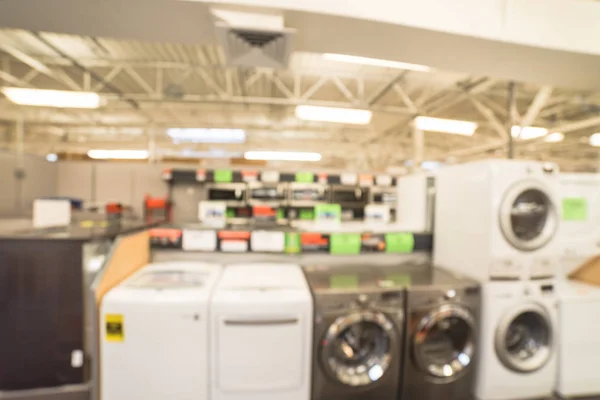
(49,213)
(199,240)
(266,241)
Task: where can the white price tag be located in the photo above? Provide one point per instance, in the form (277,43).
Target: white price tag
(194,240)
(269,176)
(383,180)
(349,179)
(234,246)
(266,241)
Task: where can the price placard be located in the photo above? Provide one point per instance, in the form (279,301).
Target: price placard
(344,243)
(199,240)
(575,209)
(223,175)
(399,242)
(305,177)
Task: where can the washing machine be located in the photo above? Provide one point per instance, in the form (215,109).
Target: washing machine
(579,230)
(359,325)
(518,346)
(579,350)
(497,219)
(154,333)
(261,333)
(442,332)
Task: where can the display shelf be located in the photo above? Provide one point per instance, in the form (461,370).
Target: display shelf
(281,240)
(238,176)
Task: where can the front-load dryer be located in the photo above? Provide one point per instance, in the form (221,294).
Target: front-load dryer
(154,333)
(358,334)
(497,219)
(518,346)
(579,230)
(442,335)
(261,333)
(579,330)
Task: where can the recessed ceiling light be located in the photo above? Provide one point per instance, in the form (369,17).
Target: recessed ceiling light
(51,157)
(332,114)
(282,156)
(595,140)
(51,98)
(207,135)
(375,62)
(527,132)
(453,126)
(554,137)
(118,154)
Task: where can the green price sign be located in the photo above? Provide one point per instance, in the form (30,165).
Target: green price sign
(280,213)
(399,242)
(574,209)
(230,213)
(328,212)
(223,175)
(344,243)
(343,281)
(307,214)
(292,242)
(305,177)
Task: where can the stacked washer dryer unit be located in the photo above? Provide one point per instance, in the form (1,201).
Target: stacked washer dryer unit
(497,221)
(579,303)
(261,334)
(358,334)
(154,342)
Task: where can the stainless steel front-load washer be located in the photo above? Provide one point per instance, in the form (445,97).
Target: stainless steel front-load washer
(441,335)
(357,353)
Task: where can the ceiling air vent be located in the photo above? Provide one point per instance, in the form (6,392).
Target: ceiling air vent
(254,47)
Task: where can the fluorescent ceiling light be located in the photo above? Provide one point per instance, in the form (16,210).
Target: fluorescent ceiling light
(282,156)
(118,154)
(595,140)
(453,126)
(51,98)
(375,62)
(207,135)
(332,114)
(528,132)
(51,157)
(554,137)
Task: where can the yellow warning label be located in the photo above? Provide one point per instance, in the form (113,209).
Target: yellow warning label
(114,328)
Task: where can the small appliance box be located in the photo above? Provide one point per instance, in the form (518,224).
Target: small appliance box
(213,213)
(588,272)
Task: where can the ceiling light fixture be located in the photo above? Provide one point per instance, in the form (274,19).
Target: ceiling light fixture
(118,154)
(375,62)
(456,127)
(595,140)
(555,137)
(332,114)
(207,135)
(527,132)
(51,98)
(282,156)
(51,157)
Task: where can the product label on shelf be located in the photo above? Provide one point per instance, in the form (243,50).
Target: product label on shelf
(365,180)
(322,178)
(115,331)
(292,242)
(328,213)
(200,175)
(314,242)
(399,242)
(249,176)
(199,240)
(574,209)
(234,241)
(223,175)
(346,281)
(305,177)
(269,176)
(266,241)
(349,179)
(383,180)
(345,243)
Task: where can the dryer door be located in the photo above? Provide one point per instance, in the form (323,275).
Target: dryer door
(357,349)
(528,216)
(524,338)
(444,341)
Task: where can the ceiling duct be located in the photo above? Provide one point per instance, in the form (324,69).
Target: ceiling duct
(253,39)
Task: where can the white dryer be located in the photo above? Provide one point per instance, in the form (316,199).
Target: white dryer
(518,349)
(497,219)
(154,329)
(579,231)
(579,352)
(261,333)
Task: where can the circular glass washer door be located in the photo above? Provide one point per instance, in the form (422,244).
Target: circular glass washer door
(357,349)
(444,341)
(528,216)
(524,338)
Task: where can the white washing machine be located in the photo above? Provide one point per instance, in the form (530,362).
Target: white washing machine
(497,219)
(154,333)
(261,333)
(518,346)
(579,352)
(579,231)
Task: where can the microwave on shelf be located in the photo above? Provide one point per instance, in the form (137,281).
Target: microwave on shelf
(349,196)
(307,194)
(233,194)
(274,194)
(384,195)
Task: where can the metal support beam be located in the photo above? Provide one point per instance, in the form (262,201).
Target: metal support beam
(405,98)
(489,115)
(19,172)
(510,121)
(379,93)
(536,106)
(418,146)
